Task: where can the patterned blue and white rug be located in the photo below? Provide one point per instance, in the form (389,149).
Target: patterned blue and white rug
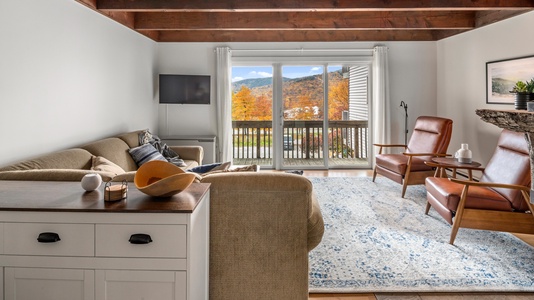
(376,241)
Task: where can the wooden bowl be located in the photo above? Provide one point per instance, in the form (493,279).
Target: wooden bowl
(162,179)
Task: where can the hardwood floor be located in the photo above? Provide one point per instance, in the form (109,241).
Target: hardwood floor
(411,296)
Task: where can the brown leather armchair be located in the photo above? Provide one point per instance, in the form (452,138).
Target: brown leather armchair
(430,138)
(499,201)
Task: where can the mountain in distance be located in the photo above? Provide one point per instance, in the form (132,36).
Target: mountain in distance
(292,86)
(255,82)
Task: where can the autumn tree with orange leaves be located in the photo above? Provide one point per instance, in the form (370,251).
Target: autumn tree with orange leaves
(247,107)
(264,109)
(243,104)
(338,100)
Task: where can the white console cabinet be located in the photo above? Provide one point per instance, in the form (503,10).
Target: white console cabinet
(138,248)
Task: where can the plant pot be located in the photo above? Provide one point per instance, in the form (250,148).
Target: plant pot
(521,100)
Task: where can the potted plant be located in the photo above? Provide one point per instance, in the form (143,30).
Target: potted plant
(524,92)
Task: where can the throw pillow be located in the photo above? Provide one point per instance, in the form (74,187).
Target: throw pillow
(210,167)
(246,168)
(298,172)
(100,163)
(146,137)
(145,153)
(177,161)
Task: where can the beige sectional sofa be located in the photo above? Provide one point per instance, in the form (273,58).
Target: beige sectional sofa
(262,224)
(72,164)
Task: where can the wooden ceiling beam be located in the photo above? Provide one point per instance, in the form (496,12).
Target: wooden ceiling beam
(484,18)
(300,35)
(123,17)
(309,5)
(305,20)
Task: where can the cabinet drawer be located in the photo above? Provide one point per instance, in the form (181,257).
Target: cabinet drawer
(167,241)
(74,239)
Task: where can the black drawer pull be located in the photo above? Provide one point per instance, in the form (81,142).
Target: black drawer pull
(140,238)
(48,237)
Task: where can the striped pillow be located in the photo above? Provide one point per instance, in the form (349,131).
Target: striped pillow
(145,153)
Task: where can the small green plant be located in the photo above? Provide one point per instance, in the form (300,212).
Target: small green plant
(524,86)
(530,86)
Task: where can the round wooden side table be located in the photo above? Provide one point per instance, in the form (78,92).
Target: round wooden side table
(453,163)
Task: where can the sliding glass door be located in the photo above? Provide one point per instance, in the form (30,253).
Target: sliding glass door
(303,95)
(301,116)
(252,117)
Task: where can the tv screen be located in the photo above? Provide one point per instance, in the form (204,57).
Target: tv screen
(184,89)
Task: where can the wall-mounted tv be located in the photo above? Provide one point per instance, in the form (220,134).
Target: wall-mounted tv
(184,89)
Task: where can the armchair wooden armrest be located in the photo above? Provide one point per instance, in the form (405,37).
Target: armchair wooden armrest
(427,154)
(525,190)
(492,184)
(438,165)
(389,146)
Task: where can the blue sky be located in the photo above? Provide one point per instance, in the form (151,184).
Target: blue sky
(240,73)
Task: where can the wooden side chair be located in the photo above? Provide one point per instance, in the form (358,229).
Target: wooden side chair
(499,201)
(430,138)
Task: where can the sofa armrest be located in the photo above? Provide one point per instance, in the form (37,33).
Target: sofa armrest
(259,229)
(195,153)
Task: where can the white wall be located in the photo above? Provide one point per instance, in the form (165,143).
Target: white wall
(187,59)
(461,62)
(69,75)
(412,77)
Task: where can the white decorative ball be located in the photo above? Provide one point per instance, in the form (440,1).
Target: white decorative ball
(91,182)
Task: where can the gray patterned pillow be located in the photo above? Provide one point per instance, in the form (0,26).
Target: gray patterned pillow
(145,153)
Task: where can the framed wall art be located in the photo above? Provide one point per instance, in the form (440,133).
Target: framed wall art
(502,75)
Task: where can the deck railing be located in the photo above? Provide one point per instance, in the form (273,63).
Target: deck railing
(304,139)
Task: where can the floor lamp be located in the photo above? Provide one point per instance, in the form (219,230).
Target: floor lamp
(405,106)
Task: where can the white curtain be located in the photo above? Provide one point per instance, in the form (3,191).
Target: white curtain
(224,104)
(380,102)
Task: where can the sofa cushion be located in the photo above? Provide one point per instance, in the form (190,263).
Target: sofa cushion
(75,158)
(145,153)
(127,176)
(104,165)
(131,138)
(398,163)
(113,149)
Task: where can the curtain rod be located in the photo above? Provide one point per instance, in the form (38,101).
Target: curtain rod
(301,50)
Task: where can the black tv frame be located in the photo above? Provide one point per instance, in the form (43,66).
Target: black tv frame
(184,89)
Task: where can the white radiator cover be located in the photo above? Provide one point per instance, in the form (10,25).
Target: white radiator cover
(207,143)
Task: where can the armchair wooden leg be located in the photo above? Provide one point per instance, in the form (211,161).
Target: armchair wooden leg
(374,174)
(459,215)
(406,176)
(454,231)
(427,209)
(404,186)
